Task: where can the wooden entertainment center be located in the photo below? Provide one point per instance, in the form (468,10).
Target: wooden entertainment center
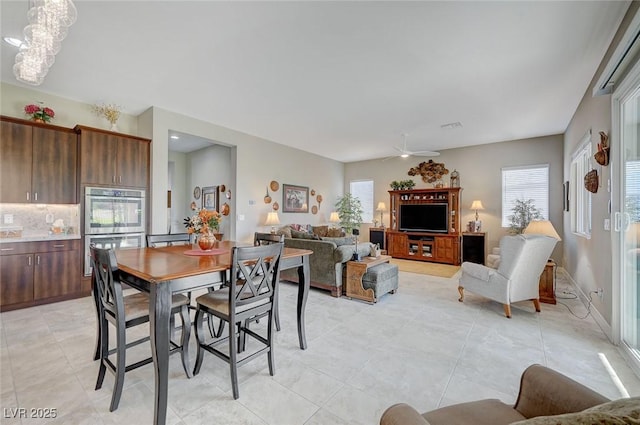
(440,245)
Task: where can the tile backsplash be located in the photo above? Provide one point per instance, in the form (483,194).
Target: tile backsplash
(38,219)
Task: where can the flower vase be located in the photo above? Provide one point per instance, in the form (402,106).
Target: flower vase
(38,120)
(114,127)
(206,241)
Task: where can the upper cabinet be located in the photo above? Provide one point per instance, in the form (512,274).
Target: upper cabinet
(38,163)
(113,159)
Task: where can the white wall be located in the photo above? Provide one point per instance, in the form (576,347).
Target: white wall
(589,261)
(254,163)
(480,177)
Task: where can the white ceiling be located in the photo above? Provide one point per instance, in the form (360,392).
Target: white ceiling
(341,79)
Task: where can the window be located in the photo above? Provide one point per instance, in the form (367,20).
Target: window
(363,190)
(524,183)
(580,198)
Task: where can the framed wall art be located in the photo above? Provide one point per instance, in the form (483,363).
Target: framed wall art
(210,198)
(565,195)
(295,199)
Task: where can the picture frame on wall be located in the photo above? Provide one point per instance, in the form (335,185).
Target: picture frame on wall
(295,199)
(210,198)
(565,195)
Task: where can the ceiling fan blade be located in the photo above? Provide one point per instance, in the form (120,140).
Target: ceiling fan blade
(399,149)
(426,153)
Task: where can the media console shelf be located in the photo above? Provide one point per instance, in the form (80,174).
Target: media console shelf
(425,225)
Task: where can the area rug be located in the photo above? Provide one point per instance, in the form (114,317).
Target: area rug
(423,267)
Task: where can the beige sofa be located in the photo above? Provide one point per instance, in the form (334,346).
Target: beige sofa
(546,397)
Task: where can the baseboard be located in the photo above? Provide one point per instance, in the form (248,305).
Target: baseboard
(602,323)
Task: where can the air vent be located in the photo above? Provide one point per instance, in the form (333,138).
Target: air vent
(451,125)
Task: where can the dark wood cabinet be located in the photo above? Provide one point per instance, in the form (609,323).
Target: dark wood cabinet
(378,235)
(38,163)
(547,285)
(442,246)
(474,247)
(39,272)
(113,159)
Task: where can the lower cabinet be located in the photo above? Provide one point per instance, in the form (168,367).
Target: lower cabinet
(39,272)
(424,247)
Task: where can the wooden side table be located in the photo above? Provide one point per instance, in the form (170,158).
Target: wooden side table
(355,271)
(547,286)
(473,247)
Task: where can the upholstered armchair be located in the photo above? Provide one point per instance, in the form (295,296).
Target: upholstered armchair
(522,260)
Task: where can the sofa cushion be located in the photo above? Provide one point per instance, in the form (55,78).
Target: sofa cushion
(618,412)
(350,240)
(303,235)
(320,230)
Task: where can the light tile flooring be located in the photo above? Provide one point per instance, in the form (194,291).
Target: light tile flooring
(419,346)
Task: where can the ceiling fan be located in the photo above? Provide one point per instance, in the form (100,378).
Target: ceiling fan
(403,152)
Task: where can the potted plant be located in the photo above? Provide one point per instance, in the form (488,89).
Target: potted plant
(349,210)
(523,213)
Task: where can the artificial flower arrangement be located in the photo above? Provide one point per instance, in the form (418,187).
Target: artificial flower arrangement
(203,222)
(110,112)
(39,113)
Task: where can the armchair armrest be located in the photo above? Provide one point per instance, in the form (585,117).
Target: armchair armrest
(402,414)
(545,392)
(478,271)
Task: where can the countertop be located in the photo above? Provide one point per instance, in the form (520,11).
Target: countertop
(38,238)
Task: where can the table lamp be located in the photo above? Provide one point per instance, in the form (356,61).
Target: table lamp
(542,227)
(477,205)
(272,220)
(381,207)
(334,217)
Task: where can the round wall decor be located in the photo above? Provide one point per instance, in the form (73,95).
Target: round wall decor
(196,192)
(274,185)
(314,210)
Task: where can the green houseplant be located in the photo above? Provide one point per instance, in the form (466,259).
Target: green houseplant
(523,213)
(349,210)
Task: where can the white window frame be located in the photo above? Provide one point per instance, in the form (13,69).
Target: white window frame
(364,191)
(509,189)
(580,198)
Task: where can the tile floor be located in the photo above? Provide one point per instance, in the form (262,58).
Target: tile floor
(419,346)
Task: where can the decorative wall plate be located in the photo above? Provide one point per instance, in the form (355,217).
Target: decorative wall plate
(276,206)
(228,194)
(313,192)
(222,188)
(274,185)
(196,192)
(193,206)
(225,209)
(314,210)
(267,197)
(319,198)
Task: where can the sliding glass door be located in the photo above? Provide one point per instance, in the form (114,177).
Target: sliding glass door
(626,197)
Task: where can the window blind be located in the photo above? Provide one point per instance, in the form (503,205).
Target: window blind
(363,190)
(524,183)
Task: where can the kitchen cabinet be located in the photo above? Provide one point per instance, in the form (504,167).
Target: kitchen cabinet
(35,273)
(113,159)
(38,163)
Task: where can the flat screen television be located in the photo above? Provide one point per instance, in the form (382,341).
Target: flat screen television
(424,218)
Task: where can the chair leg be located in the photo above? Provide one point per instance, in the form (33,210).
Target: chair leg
(275,310)
(461,291)
(121,350)
(233,358)
(536,304)
(272,369)
(104,350)
(200,338)
(507,311)
(186,333)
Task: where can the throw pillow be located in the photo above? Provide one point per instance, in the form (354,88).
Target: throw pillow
(335,233)
(284,230)
(320,230)
(625,411)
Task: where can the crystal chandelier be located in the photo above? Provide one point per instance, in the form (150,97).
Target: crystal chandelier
(49,21)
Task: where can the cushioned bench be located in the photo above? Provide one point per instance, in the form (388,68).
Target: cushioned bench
(382,278)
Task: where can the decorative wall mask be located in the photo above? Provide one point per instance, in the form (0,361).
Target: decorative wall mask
(429,170)
(602,156)
(591,181)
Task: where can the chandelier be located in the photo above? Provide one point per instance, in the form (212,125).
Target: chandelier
(49,21)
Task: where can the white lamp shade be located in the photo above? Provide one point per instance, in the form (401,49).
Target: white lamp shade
(381,206)
(477,205)
(272,219)
(334,218)
(542,227)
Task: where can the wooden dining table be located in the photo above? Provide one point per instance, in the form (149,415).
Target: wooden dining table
(168,270)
